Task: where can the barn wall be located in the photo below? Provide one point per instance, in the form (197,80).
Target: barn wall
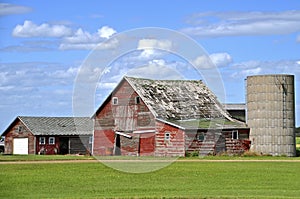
(127,115)
(15,133)
(79,145)
(47,149)
(216,142)
(173,147)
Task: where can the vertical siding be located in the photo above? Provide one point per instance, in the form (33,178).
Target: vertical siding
(126,116)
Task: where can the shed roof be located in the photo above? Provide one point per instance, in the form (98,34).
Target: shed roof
(56,125)
(178,99)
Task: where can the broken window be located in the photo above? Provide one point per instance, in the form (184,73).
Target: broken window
(235,135)
(200,136)
(137,100)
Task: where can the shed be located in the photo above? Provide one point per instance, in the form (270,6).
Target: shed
(49,135)
(165,118)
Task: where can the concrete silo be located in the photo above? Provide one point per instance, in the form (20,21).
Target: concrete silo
(271,114)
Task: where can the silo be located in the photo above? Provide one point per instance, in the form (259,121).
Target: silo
(271,114)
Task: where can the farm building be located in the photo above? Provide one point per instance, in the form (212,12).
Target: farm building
(49,135)
(144,117)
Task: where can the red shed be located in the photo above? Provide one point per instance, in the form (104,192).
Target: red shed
(144,117)
(49,135)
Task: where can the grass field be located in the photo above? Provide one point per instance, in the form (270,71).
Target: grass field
(181,179)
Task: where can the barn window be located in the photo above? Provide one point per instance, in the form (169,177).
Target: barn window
(115,100)
(235,135)
(42,140)
(51,140)
(20,129)
(200,137)
(167,136)
(137,100)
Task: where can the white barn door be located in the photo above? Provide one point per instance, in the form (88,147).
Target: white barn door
(20,146)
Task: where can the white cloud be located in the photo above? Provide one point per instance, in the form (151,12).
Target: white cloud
(106,32)
(221,59)
(83,40)
(244,23)
(10,9)
(203,62)
(154,44)
(156,69)
(30,29)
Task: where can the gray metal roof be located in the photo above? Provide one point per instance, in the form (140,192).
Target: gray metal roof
(58,125)
(178,99)
(235,106)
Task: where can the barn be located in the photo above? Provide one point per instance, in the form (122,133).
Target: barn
(144,117)
(49,135)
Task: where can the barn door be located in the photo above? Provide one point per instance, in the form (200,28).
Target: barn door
(20,146)
(117,146)
(147,143)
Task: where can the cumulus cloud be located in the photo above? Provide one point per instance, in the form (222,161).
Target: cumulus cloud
(243,23)
(106,32)
(30,29)
(83,40)
(11,9)
(221,59)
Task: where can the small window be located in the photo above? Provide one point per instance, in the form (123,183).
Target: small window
(20,129)
(137,100)
(115,100)
(235,135)
(167,136)
(51,140)
(200,137)
(90,140)
(42,141)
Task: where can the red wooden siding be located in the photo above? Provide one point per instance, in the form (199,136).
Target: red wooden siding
(15,133)
(174,146)
(147,144)
(125,116)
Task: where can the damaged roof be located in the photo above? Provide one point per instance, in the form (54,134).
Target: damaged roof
(178,99)
(56,125)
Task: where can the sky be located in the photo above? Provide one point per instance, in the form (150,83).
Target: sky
(44,44)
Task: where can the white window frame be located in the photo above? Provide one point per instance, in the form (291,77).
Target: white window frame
(237,135)
(91,140)
(167,136)
(42,140)
(115,100)
(51,140)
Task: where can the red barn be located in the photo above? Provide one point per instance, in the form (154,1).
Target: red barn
(49,135)
(144,117)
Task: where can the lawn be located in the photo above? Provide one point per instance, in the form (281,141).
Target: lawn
(199,179)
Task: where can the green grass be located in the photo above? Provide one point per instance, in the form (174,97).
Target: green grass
(42,157)
(298,142)
(181,179)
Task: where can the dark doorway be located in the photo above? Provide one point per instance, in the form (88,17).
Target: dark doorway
(117,147)
(64,145)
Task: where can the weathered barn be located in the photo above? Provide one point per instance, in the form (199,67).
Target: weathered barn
(165,118)
(49,135)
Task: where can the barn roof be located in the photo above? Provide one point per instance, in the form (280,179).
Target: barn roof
(178,99)
(56,125)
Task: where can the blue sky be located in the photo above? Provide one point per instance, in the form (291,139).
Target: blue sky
(44,43)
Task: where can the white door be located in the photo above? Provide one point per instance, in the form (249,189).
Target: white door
(21,146)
